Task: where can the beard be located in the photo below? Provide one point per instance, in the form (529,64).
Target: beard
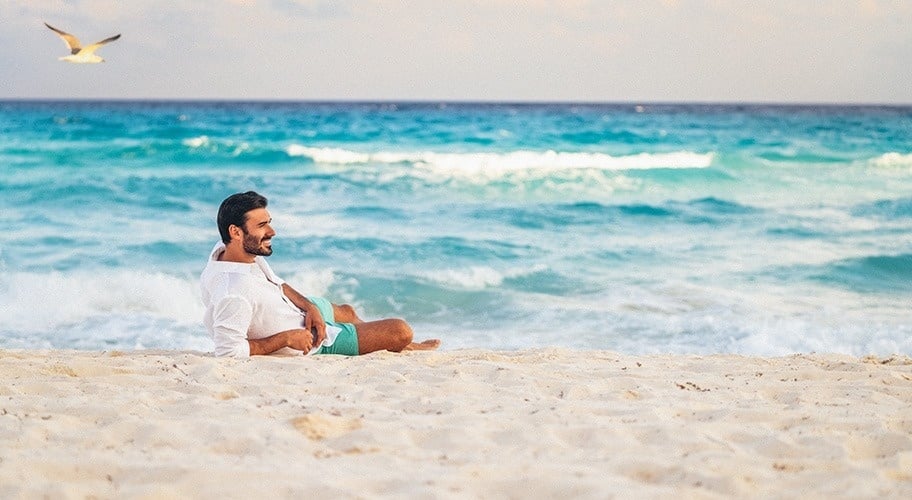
(255,246)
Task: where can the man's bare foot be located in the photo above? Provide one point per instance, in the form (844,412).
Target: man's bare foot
(427,345)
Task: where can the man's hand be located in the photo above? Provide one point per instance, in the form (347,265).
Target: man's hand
(313,320)
(299,339)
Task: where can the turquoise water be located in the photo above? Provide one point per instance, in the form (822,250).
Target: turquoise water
(651,228)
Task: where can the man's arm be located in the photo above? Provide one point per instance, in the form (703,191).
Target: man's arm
(313,319)
(298,338)
(231,318)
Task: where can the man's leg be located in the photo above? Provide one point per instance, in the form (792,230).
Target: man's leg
(385,334)
(390,335)
(345,313)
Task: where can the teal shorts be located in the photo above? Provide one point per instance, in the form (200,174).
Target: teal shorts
(347,341)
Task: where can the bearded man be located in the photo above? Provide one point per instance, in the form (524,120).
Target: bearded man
(251,311)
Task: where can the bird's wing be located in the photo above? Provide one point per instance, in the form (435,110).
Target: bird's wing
(71,41)
(92,48)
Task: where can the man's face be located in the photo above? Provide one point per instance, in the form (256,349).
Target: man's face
(258,232)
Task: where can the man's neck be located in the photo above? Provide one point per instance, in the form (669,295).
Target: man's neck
(235,253)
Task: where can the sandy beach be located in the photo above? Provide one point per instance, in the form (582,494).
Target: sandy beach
(466,423)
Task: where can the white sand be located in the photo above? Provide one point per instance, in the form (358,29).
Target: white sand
(476,424)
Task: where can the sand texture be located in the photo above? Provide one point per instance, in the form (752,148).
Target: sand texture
(549,423)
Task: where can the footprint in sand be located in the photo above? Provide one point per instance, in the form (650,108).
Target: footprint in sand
(320,426)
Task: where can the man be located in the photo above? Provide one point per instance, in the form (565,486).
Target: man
(250,310)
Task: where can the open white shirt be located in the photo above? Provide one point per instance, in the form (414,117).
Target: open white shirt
(246,301)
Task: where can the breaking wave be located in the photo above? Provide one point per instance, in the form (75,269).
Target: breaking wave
(508,161)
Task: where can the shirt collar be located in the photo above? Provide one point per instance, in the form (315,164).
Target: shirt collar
(227,267)
(216,251)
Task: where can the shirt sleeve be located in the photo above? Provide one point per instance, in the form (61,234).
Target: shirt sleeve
(231,317)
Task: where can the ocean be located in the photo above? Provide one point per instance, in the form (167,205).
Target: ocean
(638,228)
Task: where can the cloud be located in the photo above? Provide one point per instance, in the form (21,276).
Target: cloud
(318,9)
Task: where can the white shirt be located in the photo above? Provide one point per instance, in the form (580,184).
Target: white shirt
(246,301)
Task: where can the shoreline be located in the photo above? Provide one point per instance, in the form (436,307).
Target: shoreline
(461,423)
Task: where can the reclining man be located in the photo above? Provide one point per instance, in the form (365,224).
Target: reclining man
(250,310)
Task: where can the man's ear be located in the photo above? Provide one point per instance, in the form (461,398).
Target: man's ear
(235,231)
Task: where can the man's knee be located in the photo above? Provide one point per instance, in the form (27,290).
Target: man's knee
(345,313)
(402,331)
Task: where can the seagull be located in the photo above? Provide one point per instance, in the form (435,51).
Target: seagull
(79,54)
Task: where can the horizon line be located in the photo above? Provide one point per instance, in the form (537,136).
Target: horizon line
(516,102)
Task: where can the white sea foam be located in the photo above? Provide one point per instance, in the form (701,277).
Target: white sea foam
(196,142)
(308,281)
(688,318)
(471,278)
(475,277)
(36,302)
(234,148)
(510,161)
(328,155)
(118,309)
(893,160)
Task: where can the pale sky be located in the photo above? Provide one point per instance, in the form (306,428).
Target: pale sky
(808,51)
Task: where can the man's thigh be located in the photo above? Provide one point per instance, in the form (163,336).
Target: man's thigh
(385,334)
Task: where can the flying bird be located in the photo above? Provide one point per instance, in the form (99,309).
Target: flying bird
(78,53)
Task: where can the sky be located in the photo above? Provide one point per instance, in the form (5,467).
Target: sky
(782,51)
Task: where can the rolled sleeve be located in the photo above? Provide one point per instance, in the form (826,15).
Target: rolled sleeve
(231,318)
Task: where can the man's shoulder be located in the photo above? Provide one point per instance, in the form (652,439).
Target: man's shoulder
(222,275)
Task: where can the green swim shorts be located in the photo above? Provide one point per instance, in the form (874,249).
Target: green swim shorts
(347,341)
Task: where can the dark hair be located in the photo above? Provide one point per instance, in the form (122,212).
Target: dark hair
(233,211)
